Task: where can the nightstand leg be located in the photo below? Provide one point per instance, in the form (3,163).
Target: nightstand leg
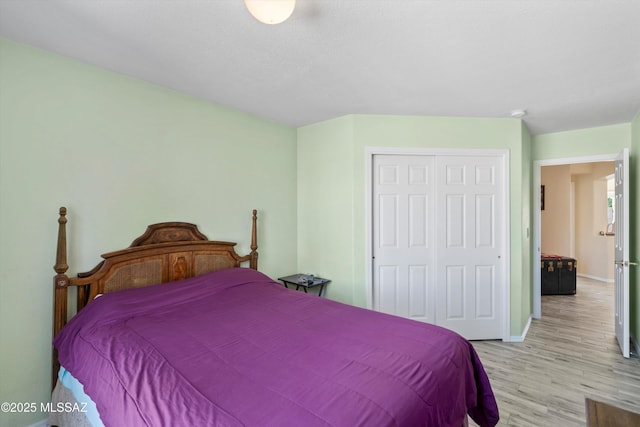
(321,289)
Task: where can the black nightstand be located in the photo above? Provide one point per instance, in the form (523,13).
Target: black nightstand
(304,281)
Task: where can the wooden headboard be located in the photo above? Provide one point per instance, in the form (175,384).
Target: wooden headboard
(166,252)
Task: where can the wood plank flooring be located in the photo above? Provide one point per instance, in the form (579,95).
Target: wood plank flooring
(570,354)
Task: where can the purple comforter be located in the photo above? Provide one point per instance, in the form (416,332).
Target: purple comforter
(234,348)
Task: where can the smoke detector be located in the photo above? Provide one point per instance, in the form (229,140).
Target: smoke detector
(518,114)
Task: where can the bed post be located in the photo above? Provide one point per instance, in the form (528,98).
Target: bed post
(253,263)
(60,283)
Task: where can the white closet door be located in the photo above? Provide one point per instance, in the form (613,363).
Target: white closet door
(403,237)
(470,266)
(439,231)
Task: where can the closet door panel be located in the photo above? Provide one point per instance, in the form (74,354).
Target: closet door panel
(403,237)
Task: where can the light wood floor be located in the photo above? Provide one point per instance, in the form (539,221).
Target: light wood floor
(571,353)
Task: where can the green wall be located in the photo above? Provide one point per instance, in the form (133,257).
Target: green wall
(345,140)
(120,154)
(526,297)
(581,143)
(325,204)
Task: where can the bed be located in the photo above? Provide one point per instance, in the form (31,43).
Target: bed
(175,331)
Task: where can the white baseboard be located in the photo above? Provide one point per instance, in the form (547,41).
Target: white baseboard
(520,338)
(42,423)
(599,279)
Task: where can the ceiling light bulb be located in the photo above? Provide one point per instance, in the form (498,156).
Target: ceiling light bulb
(271,11)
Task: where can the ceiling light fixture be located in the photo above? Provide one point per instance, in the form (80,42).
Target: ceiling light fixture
(518,114)
(271,11)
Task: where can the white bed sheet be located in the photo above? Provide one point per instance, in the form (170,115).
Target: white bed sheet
(77,390)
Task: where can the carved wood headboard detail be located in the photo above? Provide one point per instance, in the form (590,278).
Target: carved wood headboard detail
(169,232)
(166,252)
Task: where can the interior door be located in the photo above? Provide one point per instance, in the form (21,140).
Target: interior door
(621,268)
(403,236)
(471,231)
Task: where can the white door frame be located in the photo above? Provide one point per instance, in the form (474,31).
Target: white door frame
(370,152)
(537,216)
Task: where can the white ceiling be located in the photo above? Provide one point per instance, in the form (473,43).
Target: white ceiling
(570,63)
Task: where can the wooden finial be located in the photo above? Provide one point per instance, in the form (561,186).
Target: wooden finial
(253,263)
(61,254)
